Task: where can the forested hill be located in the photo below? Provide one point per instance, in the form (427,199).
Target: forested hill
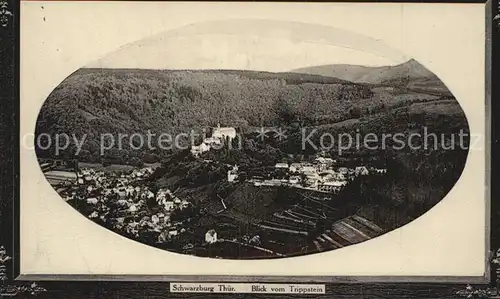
(95,101)
(411,75)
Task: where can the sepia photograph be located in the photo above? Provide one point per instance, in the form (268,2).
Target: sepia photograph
(154,149)
(229,151)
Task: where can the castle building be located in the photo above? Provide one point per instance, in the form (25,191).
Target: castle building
(219,134)
(224,132)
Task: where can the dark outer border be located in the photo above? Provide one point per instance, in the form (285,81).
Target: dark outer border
(9,193)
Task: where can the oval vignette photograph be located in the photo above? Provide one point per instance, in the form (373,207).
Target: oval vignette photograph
(252,139)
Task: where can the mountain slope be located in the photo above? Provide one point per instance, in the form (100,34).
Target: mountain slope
(410,74)
(93,102)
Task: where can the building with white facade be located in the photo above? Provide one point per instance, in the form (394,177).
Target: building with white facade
(361,170)
(232,174)
(219,134)
(211,236)
(331,186)
(197,150)
(281,166)
(224,132)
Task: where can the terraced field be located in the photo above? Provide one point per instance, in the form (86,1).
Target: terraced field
(304,223)
(348,231)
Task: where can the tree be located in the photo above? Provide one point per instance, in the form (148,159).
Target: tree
(355,112)
(134,161)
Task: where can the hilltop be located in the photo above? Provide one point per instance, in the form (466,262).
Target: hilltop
(410,74)
(98,101)
(93,102)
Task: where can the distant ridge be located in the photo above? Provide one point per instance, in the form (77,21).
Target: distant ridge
(372,75)
(410,74)
(289,77)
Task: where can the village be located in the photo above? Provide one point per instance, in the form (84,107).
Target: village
(294,225)
(321,174)
(127,203)
(123,202)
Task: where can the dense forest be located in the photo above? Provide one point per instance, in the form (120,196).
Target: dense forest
(98,101)
(92,102)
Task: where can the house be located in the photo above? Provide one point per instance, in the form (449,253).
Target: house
(329,172)
(122,194)
(162,193)
(308,170)
(331,186)
(313,176)
(212,141)
(219,134)
(361,170)
(294,167)
(129,190)
(380,170)
(323,160)
(255,240)
(168,205)
(311,183)
(327,176)
(231,176)
(272,182)
(339,176)
(211,236)
(294,180)
(92,200)
(197,150)
(184,204)
(343,170)
(281,166)
(163,237)
(323,163)
(222,133)
(122,202)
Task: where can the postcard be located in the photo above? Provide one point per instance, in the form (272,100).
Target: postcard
(304,142)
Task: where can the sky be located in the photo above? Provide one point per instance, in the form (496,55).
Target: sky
(251,45)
